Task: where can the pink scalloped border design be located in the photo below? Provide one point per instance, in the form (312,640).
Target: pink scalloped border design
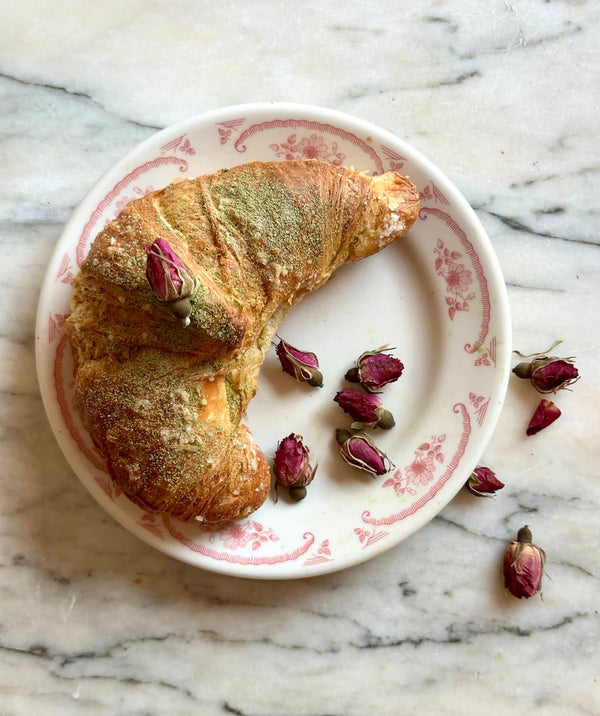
(63,404)
(115,191)
(483,287)
(310,125)
(308,547)
(437,486)
(308,538)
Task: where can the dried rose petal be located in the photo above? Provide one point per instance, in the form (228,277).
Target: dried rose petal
(301,365)
(292,462)
(374,369)
(545,414)
(364,408)
(170,279)
(523,566)
(360,451)
(548,374)
(483,482)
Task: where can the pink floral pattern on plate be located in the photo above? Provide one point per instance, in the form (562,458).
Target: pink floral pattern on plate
(308,130)
(227,128)
(56,323)
(109,486)
(369,537)
(457,276)
(432,192)
(150,523)
(458,280)
(65,270)
(395,160)
(480,404)
(241,534)
(179,144)
(124,200)
(312,147)
(320,555)
(177,531)
(421,471)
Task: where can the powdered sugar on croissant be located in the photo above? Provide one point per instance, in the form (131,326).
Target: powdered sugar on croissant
(163,402)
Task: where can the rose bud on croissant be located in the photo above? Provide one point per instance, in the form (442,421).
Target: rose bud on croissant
(163,402)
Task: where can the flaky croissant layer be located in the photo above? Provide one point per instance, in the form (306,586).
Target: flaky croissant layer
(163,402)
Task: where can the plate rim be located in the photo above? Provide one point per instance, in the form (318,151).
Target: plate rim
(288,570)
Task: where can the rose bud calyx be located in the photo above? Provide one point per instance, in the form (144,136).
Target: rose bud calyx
(374,369)
(545,414)
(483,482)
(292,466)
(171,280)
(365,409)
(548,374)
(301,365)
(361,452)
(523,566)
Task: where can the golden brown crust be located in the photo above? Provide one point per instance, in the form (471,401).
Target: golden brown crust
(163,402)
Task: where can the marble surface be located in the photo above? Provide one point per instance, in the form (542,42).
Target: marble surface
(504,97)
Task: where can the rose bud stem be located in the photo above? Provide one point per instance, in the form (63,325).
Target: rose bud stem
(317,380)
(342,435)
(182,309)
(297,493)
(386,420)
(352,376)
(523,566)
(301,365)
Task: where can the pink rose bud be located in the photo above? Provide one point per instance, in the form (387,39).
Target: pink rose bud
(374,369)
(365,409)
(360,451)
(553,376)
(170,279)
(292,466)
(523,566)
(545,414)
(301,365)
(547,374)
(483,482)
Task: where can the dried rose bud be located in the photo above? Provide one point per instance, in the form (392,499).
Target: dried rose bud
(365,409)
(483,482)
(523,566)
(292,466)
(170,279)
(360,451)
(374,369)
(547,374)
(301,365)
(545,414)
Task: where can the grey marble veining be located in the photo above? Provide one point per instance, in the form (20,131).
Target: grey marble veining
(504,97)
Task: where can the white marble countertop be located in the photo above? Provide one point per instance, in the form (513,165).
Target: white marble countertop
(503,96)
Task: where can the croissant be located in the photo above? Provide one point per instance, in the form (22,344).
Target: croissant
(163,402)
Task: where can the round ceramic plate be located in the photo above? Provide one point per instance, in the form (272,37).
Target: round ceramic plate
(437,297)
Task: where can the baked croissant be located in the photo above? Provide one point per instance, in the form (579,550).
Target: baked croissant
(163,402)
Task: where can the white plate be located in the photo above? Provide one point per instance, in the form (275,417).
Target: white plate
(437,296)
